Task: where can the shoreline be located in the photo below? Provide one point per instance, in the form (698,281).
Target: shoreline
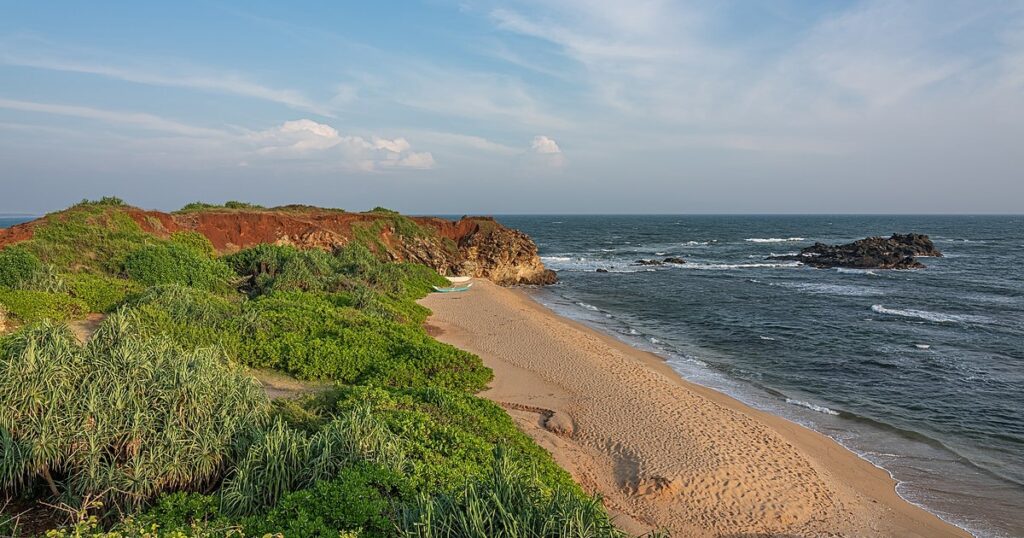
(663,451)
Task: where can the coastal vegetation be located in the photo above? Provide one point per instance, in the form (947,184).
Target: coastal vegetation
(155,424)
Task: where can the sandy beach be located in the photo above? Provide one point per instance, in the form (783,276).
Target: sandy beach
(662,452)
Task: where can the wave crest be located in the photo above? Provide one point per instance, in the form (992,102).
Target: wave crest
(936,317)
(773,239)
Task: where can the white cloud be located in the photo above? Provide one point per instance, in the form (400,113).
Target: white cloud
(545,151)
(544,145)
(306,139)
(134,119)
(34,54)
(296,140)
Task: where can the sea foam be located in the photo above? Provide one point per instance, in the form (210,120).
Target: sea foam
(773,239)
(812,407)
(937,317)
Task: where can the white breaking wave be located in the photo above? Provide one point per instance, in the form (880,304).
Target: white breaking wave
(725,266)
(555,258)
(699,243)
(922,346)
(850,271)
(767,338)
(590,307)
(834,289)
(937,317)
(812,407)
(773,239)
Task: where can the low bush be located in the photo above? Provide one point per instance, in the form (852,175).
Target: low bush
(195,241)
(101,293)
(510,501)
(362,498)
(309,336)
(448,436)
(170,263)
(17,265)
(30,306)
(283,268)
(95,236)
(284,459)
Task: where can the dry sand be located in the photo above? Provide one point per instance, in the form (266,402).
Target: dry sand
(665,453)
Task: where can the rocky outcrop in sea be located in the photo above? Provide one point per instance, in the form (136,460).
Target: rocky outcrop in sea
(900,251)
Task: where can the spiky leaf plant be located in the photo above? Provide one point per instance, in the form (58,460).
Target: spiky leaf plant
(284,459)
(121,419)
(509,502)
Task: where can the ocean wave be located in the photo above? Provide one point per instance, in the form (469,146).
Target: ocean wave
(590,307)
(555,258)
(937,317)
(834,289)
(698,243)
(812,407)
(850,271)
(773,239)
(767,338)
(726,266)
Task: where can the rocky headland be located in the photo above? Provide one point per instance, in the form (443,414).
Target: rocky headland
(900,251)
(471,246)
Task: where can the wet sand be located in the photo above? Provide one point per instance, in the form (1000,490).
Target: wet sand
(662,452)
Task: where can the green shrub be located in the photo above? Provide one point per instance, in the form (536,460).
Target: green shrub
(104,201)
(197,206)
(170,263)
(190,317)
(101,293)
(93,236)
(234,204)
(283,459)
(17,265)
(121,419)
(195,241)
(448,436)
(508,502)
(31,306)
(363,497)
(285,268)
(309,336)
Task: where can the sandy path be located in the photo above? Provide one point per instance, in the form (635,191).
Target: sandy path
(661,451)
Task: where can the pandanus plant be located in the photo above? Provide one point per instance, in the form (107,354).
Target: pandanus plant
(122,418)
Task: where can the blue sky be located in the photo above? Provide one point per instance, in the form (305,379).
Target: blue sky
(516,107)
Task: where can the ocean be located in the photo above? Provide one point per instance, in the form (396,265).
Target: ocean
(920,372)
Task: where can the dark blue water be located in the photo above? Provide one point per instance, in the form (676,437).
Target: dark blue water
(921,372)
(7,221)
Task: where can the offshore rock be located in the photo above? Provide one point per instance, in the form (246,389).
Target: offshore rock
(896,252)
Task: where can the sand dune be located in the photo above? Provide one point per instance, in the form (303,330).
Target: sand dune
(662,452)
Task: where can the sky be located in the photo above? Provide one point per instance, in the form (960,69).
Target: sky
(447,107)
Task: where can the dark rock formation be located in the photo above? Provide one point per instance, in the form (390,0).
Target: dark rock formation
(600,270)
(674,260)
(896,252)
(647,262)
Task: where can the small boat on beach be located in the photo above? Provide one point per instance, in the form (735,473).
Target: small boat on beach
(451,289)
(459,279)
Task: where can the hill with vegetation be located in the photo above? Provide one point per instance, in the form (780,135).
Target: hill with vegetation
(155,424)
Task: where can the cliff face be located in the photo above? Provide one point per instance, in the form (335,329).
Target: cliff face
(471,246)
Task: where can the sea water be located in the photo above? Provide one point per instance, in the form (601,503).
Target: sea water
(920,372)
